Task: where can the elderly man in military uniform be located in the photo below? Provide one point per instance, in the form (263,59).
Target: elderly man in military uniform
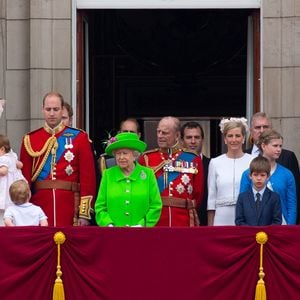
(59,165)
(179,174)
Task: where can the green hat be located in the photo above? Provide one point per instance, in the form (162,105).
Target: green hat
(126,140)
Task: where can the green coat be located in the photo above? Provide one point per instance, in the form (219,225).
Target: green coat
(128,201)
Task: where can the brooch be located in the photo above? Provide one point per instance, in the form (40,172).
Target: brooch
(180,188)
(143,175)
(69,156)
(69,170)
(185,179)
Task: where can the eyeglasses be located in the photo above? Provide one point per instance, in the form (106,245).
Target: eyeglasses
(262,126)
(128,131)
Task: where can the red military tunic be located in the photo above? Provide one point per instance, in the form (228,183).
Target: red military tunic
(180,178)
(55,163)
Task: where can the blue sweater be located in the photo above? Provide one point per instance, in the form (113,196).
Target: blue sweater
(281,181)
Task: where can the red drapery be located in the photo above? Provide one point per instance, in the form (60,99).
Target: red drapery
(149,263)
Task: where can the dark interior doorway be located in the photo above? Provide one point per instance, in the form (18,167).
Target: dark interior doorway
(152,63)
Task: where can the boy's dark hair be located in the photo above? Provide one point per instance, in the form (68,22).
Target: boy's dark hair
(260,164)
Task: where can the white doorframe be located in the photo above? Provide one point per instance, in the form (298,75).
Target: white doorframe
(205,4)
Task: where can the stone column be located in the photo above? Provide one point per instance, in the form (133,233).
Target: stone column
(50,53)
(281,68)
(16,69)
(35,58)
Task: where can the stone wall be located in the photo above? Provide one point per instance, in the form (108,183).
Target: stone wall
(35,58)
(281,68)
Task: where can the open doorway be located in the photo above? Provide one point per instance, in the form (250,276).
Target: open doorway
(189,63)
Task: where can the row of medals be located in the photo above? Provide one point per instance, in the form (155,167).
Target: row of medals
(69,156)
(179,166)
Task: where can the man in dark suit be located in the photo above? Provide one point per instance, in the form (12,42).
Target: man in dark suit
(259,123)
(259,206)
(192,137)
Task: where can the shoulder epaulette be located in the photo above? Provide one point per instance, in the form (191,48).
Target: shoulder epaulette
(83,131)
(80,129)
(34,131)
(75,128)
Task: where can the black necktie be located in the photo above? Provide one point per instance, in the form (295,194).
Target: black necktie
(257,202)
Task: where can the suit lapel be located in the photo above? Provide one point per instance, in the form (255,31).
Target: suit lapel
(252,200)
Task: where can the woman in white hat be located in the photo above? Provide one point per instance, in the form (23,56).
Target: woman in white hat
(128,194)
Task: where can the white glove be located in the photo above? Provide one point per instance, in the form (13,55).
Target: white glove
(110,225)
(138,225)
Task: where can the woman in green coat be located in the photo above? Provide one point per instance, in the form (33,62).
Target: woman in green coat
(128,194)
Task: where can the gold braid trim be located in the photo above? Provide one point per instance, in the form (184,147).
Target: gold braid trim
(158,167)
(154,168)
(37,153)
(50,143)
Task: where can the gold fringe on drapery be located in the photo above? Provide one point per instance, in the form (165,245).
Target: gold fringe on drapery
(58,291)
(260,292)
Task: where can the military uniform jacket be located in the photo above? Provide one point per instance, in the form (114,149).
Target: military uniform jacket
(179,175)
(61,155)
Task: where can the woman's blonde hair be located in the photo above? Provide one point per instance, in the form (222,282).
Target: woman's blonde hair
(232,125)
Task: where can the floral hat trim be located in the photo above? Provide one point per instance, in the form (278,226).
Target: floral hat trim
(111,140)
(236,120)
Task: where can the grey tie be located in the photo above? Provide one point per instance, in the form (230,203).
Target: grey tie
(257,202)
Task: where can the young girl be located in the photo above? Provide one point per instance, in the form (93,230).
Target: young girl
(10,171)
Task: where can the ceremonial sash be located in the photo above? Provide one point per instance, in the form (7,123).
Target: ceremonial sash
(184,156)
(61,140)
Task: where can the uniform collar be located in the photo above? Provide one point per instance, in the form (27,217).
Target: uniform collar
(54,130)
(175,149)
